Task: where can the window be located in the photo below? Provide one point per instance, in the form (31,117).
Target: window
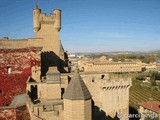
(102,76)
(62,92)
(9,70)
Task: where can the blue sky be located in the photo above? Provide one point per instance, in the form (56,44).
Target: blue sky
(90,25)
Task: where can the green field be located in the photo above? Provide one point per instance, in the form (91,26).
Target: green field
(139,93)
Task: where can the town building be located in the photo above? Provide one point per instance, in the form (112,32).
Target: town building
(103,65)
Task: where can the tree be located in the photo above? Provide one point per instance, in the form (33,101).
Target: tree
(143,69)
(141,77)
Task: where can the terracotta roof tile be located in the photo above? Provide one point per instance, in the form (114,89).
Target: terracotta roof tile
(153,106)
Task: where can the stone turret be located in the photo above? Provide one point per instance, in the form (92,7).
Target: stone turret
(77,100)
(57,23)
(36,22)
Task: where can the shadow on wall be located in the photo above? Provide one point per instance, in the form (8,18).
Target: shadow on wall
(101,115)
(98,114)
(33,94)
(50,59)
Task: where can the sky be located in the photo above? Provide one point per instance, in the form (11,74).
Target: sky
(90,25)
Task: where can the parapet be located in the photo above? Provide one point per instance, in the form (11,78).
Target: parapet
(6,43)
(116,81)
(47,19)
(41,18)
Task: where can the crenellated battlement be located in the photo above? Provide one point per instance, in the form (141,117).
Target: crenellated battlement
(44,18)
(48,28)
(116,83)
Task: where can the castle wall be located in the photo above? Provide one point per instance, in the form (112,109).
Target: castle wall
(53,91)
(115,100)
(42,91)
(109,92)
(50,38)
(6,43)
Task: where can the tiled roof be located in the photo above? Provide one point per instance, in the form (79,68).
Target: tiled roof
(153,106)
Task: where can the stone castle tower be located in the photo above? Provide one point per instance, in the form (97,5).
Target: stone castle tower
(77,100)
(48,28)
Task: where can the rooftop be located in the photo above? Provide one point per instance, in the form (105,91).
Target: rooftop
(153,106)
(77,90)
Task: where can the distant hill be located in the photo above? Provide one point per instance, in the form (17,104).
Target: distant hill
(117,52)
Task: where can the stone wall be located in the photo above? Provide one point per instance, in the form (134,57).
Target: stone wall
(6,43)
(77,109)
(110,92)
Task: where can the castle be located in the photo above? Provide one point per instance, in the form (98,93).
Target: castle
(55,93)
